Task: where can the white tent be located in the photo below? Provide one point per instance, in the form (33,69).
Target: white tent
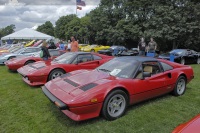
(27,34)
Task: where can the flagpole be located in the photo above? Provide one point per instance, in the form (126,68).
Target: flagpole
(76,7)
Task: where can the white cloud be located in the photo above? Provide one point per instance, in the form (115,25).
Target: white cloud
(27,16)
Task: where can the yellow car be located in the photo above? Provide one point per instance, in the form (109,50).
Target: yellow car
(94,48)
(80,46)
(30,43)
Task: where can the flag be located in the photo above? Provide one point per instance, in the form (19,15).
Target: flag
(79,8)
(80,2)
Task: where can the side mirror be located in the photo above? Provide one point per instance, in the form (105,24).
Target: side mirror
(146,74)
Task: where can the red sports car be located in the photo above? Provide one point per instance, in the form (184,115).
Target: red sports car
(16,63)
(110,88)
(193,126)
(40,72)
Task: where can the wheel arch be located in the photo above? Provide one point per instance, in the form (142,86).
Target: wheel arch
(184,75)
(11,57)
(57,68)
(29,60)
(119,88)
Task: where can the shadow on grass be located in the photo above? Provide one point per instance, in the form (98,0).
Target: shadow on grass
(65,120)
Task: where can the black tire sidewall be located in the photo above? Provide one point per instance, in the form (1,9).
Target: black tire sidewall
(175,89)
(104,111)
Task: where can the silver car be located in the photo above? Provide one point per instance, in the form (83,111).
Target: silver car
(29,51)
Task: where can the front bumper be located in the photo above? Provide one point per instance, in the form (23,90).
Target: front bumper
(74,113)
(31,80)
(12,66)
(2,61)
(52,98)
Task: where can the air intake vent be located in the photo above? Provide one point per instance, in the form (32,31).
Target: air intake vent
(37,67)
(71,82)
(88,86)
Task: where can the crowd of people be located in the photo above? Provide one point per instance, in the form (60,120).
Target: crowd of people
(143,48)
(71,46)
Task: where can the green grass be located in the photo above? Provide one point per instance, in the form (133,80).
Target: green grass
(25,109)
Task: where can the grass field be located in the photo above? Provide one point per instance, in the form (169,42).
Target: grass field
(25,109)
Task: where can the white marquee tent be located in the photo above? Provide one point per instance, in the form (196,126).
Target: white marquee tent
(27,34)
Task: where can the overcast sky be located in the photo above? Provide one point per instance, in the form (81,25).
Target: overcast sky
(31,13)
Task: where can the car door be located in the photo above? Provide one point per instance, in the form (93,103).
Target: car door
(148,87)
(189,57)
(85,61)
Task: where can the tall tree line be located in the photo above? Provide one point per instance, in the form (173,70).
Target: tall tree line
(172,23)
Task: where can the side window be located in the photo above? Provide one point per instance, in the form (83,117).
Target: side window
(152,67)
(96,57)
(166,67)
(84,58)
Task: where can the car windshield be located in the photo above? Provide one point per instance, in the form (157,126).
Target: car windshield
(65,58)
(177,51)
(119,67)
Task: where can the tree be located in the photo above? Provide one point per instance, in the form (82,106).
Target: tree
(46,28)
(61,23)
(7,30)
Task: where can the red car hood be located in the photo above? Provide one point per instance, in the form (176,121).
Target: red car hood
(190,127)
(28,69)
(71,85)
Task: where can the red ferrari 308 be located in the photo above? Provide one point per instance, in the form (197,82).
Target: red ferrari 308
(110,88)
(40,72)
(192,126)
(16,63)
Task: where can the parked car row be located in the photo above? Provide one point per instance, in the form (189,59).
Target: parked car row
(84,85)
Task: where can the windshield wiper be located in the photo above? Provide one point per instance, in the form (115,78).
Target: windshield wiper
(104,70)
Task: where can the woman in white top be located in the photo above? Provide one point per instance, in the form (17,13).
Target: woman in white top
(69,46)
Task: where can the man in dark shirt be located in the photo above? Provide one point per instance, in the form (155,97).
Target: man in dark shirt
(152,46)
(142,47)
(45,52)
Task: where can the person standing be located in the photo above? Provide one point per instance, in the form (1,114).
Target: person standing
(74,45)
(44,52)
(142,47)
(152,45)
(61,45)
(69,46)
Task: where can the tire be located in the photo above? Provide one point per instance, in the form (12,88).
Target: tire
(55,73)
(28,62)
(180,86)
(92,50)
(114,105)
(198,60)
(182,61)
(11,57)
